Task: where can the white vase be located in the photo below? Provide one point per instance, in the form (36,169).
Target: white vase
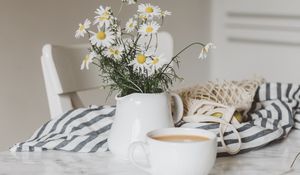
(139,113)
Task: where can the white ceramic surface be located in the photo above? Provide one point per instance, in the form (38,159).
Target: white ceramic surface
(271,160)
(138,114)
(177,158)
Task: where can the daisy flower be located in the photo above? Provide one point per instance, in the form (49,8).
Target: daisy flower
(205,50)
(156,63)
(130,25)
(149,10)
(130,2)
(88,59)
(103,16)
(82,28)
(103,11)
(115,52)
(165,13)
(139,63)
(141,16)
(149,28)
(102,38)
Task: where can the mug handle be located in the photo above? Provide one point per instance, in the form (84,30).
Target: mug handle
(131,151)
(178,106)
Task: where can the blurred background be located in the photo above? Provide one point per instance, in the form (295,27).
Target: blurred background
(253,37)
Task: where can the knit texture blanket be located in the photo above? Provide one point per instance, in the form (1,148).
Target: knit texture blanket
(274,112)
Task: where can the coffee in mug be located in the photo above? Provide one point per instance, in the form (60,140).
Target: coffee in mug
(177,151)
(180,138)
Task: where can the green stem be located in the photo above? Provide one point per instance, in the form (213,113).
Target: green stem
(98,65)
(184,49)
(121,7)
(156,42)
(126,79)
(149,43)
(129,87)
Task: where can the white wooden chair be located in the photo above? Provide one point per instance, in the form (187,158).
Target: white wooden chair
(63,77)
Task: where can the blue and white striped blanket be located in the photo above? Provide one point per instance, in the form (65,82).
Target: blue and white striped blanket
(274,112)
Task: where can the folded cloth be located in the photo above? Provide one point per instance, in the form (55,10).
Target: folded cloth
(274,112)
(272,115)
(78,130)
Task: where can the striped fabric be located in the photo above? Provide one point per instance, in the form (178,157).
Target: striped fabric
(274,112)
(80,130)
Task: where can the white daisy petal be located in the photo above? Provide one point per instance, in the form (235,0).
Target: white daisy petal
(157,62)
(210,46)
(140,63)
(203,54)
(87,23)
(82,30)
(102,38)
(149,11)
(149,28)
(165,13)
(88,59)
(130,2)
(205,49)
(115,52)
(130,25)
(101,10)
(104,16)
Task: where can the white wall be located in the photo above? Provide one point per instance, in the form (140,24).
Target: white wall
(26,25)
(257,37)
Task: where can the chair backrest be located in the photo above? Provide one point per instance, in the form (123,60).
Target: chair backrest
(63,77)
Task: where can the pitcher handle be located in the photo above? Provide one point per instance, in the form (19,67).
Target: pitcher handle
(178,106)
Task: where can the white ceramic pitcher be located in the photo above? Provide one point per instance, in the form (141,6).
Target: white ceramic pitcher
(139,113)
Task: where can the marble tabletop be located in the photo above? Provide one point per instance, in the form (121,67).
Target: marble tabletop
(274,159)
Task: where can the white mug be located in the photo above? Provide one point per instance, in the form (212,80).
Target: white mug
(177,158)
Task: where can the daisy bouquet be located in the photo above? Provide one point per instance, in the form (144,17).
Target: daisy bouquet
(126,58)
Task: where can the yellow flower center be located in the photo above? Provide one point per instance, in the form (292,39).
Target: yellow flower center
(116,52)
(131,25)
(141,59)
(149,29)
(149,10)
(155,60)
(81,27)
(101,35)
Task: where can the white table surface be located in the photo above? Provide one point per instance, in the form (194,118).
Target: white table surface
(271,160)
